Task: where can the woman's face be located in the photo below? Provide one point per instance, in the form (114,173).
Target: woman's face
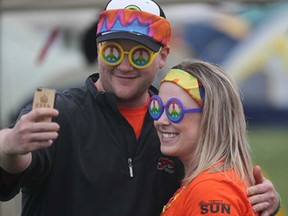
(178,139)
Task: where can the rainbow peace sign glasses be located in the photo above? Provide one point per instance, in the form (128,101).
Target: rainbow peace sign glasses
(139,56)
(174,109)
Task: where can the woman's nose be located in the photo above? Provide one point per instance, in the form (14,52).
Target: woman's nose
(163,119)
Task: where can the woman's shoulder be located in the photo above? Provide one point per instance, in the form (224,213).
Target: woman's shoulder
(223,192)
(227,181)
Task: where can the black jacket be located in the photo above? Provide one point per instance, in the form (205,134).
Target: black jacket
(86,171)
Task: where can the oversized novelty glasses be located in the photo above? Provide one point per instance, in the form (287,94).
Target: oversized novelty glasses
(139,56)
(174,109)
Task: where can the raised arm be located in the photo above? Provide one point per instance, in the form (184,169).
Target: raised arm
(16,144)
(263,196)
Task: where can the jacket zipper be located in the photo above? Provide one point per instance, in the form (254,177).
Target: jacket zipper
(130,165)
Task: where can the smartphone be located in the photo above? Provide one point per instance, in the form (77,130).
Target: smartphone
(44,98)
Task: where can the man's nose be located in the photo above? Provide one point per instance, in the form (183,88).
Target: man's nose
(125,64)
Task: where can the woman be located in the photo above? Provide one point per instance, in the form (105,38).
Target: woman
(204,126)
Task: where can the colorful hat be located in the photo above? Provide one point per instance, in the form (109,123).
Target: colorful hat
(137,20)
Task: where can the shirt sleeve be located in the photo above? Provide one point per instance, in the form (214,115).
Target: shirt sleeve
(217,197)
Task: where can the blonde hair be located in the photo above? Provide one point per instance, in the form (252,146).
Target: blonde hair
(222,138)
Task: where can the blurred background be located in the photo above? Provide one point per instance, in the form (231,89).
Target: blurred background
(52,44)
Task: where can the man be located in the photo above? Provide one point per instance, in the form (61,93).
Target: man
(100,155)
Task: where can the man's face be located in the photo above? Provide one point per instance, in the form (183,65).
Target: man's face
(128,83)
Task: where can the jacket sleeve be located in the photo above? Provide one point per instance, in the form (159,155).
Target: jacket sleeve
(30,179)
(9,185)
(33,176)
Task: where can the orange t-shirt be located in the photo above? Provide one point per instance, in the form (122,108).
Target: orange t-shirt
(214,194)
(135,116)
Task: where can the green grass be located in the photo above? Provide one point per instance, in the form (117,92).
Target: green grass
(270,151)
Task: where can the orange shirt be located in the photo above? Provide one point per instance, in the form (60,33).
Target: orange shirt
(211,194)
(135,116)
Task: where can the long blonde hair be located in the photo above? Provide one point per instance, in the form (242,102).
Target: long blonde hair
(222,138)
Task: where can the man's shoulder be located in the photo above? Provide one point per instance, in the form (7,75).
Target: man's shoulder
(78,94)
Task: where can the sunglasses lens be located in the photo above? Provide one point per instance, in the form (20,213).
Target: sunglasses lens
(141,57)
(155,108)
(111,54)
(174,110)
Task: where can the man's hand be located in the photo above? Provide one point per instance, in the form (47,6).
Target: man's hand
(263,195)
(28,135)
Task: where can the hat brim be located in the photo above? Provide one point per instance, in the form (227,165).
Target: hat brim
(142,39)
